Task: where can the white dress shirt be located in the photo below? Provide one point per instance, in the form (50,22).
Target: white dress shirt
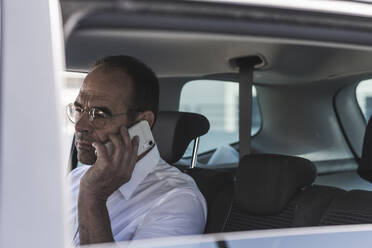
(158,201)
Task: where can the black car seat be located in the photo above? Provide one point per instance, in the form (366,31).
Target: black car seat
(271,191)
(355,206)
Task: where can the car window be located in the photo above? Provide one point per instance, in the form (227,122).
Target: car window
(364,97)
(219,102)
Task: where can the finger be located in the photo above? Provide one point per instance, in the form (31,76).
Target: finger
(126,139)
(135,145)
(118,146)
(101,151)
(110,148)
(132,160)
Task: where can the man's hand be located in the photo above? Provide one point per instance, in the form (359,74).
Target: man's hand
(108,173)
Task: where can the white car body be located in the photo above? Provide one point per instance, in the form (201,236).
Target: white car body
(32,162)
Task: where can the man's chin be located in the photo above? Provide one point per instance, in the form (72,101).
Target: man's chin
(86,157)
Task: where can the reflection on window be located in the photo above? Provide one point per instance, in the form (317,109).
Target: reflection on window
(219,102)
(364,97)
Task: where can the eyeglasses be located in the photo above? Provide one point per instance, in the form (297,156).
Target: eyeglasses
(96,116)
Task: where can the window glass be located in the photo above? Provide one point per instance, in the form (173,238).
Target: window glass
(219,102)
(364,97)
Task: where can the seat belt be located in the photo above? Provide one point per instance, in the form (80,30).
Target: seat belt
(246,66)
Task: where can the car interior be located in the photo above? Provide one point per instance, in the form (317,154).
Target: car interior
(310,162)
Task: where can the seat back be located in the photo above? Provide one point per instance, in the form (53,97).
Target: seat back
(276,191)
(264,195)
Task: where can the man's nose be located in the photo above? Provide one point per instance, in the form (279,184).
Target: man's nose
(83,124)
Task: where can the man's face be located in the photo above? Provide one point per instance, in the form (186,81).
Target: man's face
(108,90)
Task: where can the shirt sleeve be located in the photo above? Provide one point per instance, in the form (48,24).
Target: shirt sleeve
(182,213)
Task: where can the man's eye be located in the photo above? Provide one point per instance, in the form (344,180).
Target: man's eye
(78,109)
(98,114)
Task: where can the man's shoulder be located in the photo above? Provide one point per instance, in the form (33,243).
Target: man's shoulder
(168,178)
(171,175)
(177,191)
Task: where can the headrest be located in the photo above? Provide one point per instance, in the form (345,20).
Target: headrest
(265,183)
(365,166)
(173,132)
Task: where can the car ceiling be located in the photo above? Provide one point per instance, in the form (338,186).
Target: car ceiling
(178,53)
(173,54)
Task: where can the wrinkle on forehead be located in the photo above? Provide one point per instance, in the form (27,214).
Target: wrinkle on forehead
(102,86)
(91,98)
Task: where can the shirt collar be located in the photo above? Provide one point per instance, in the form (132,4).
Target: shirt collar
(142,168)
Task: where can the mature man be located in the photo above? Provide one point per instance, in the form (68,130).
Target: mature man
(117,195)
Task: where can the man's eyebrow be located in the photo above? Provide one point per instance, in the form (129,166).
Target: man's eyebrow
(77,104)
(102,108)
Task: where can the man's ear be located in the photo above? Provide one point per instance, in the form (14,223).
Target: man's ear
(148,116)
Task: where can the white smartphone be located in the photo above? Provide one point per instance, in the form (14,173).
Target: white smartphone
(143,131)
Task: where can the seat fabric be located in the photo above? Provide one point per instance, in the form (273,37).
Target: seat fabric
(306,208)
(240,220)
(211,183)
(351,207)
(266,195)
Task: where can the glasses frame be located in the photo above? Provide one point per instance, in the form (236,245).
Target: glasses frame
(91,116)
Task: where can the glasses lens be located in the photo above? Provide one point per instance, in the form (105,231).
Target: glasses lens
(97,117)
(71,112)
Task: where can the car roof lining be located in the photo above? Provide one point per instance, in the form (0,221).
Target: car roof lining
(186,54)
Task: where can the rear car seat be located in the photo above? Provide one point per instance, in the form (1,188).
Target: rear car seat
(355,206)
(271,191)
